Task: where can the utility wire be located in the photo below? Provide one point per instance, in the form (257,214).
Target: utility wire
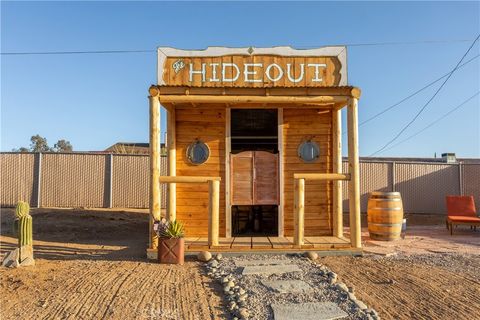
(428,102)
(434,122)
(74,52)
(393,43)
(303,47)
(413,94)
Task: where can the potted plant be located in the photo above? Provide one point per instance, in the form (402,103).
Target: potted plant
(171,244)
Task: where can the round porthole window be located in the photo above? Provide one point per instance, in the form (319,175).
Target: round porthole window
(308,151)
(197,152)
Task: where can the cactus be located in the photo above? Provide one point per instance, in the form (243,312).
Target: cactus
(23,226)
(22,209)
(25,237)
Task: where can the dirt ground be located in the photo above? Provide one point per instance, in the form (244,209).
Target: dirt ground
(428,275)
(91,265)
(414,287)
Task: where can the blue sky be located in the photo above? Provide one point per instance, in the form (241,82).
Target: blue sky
(95,100)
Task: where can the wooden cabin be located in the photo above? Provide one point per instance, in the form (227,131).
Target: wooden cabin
(254,147)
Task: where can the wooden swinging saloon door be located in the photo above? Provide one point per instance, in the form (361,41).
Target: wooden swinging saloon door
(254,178)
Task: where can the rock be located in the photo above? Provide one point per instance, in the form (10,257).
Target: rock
(241,291)
(342,286)
(243,312)
(26,252)
(332,277)
(28,261)
(242,297)
(230,284)
(267,270)
(11,259)
(231,293)
(311,255)
(308,310)
(213,263)
(204,256)
(372,312)
(360,304)
(226,289)
(219,256)
(351,296)
(225,280)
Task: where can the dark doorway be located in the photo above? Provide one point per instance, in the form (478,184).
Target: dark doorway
(254,221)
(254,131)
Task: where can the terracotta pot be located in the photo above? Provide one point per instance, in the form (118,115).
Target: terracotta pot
(171,250)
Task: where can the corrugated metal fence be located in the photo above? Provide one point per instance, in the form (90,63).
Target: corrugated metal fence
(121,181)
(423,185)
(76,180)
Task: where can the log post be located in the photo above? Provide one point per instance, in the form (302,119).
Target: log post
(213,212)
(171,145)
(354,167)
(337,168)
(155,194)
(299,211)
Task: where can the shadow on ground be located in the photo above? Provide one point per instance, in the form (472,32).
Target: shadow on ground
(70,234)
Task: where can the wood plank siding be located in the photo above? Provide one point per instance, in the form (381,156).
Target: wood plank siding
(297,127)
(207,125)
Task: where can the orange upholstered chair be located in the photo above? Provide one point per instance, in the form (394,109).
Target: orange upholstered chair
(461,210)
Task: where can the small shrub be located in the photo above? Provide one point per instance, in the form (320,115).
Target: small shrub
(170,229)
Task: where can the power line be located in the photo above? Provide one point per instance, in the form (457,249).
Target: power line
(434,122)
(300,47)
(412,95)
(415,93)
(428,102)
(75,52)
(396,43)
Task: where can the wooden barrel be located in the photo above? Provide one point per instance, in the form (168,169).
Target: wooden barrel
(385,215)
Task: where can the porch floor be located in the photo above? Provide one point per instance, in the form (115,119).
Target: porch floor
(267,244)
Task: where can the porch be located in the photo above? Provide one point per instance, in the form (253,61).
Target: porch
(267,244)
(324,246)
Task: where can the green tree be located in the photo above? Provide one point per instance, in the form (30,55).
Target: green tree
(39,144)
(63,146)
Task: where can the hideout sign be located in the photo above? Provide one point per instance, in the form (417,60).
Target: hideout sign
(251,67)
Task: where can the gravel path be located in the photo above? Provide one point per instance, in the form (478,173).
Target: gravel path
(246,297)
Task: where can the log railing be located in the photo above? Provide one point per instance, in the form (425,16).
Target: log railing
(213,201)
(299,199)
